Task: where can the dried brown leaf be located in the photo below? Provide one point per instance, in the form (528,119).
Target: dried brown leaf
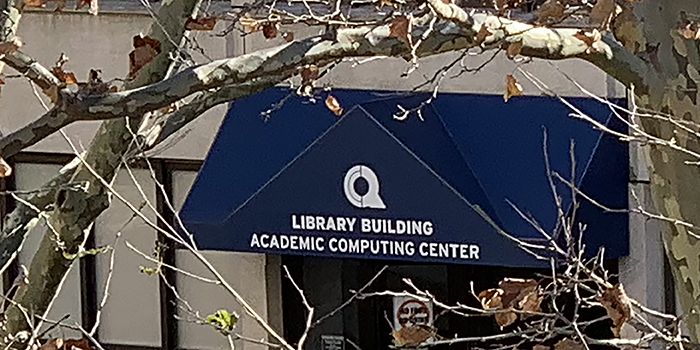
(145,50)
(569,344)
(205,23)
(288,36)
(61,60)
(333,104)
(541,347)
(10,47)
(173,107)
(5,169)
(520,294)
(69,78)
(618,307)
(400,28)
(503,5)
(506,318)
(516,293)
(77,344)
(249,23)
(591,39)
(691,30)
(412,336)
(512,294)
(491,298)
(93,6)
(550,11)
(515,289)
(270,30)
(531,302)
(52,93)
(60,5)
(514,49)
(35,3)
(52,344)
(482,34)
(141,40)
(513,88)
(95,85)
(603,13)
(65,77)
(309,73)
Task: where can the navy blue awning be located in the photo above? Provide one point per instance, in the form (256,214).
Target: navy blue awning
(369,186)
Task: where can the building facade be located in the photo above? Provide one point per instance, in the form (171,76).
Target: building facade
(141,311)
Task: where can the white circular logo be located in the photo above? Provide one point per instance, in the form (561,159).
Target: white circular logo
(370,199)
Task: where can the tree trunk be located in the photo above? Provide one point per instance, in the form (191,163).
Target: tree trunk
(76,212)
(675,184)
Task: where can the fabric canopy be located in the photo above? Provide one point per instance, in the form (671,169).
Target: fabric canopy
(366,185)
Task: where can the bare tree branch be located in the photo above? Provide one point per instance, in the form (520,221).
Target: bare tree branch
(37,73)
(283,62)
(163,129)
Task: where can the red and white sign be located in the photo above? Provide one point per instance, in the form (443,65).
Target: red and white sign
(409,311)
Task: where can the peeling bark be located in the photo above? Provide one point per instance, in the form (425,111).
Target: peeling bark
(674,183)
(37,73)
(9,19)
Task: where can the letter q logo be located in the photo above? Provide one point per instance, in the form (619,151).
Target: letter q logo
(370,199)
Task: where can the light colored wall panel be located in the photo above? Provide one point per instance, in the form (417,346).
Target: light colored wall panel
(132,313)
(193,141)
(245,272)
(182,182)
(68,302)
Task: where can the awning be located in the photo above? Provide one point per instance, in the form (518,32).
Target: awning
(366,185)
